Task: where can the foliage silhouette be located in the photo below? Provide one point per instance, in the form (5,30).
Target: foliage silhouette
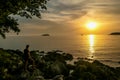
(53,65)
(24,8)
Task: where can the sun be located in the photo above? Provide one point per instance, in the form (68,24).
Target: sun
(91,25)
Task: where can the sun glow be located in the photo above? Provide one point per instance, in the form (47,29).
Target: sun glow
(91,25)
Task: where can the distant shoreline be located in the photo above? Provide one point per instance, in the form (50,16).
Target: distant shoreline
(115,33)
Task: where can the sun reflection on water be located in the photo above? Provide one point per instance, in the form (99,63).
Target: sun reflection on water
(91,46)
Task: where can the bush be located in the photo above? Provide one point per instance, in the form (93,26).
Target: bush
(53,65)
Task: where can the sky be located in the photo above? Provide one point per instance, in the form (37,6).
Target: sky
(69,17)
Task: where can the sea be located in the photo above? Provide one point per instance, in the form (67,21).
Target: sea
(105,48)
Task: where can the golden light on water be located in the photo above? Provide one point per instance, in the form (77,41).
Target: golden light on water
(91,46)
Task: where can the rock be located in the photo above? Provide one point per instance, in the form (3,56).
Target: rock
(39,78)
(58,77)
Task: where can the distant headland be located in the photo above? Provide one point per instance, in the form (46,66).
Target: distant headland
(115,33)
(45,34)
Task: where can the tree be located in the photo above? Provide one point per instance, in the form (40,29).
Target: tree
(24,8)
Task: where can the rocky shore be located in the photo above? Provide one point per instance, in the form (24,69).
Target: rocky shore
(53,65)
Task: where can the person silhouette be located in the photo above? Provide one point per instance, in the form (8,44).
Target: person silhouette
(27,57)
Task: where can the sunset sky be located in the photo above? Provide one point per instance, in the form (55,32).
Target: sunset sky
(69,17)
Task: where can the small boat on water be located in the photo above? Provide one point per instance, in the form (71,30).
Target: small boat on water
(45,34)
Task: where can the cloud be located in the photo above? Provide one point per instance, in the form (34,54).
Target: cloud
(71,9)
(61,13)
(107,6)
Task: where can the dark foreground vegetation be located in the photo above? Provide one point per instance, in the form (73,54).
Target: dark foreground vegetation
(53,65)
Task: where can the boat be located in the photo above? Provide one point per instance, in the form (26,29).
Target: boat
(45,34)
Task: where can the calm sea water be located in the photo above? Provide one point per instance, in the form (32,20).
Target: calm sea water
(105,48)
